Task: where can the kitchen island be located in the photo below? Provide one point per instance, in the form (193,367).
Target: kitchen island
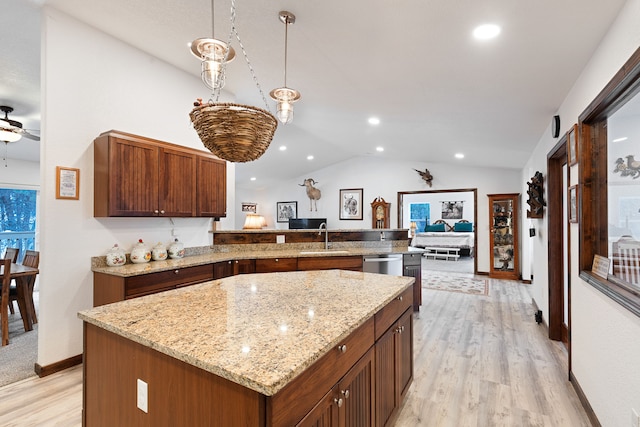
(272,349)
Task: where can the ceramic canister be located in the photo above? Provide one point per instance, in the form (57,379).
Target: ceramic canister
(140,253)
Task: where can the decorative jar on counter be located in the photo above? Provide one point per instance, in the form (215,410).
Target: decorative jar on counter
(159,252)
(140,253)
(176,249)
(116,256)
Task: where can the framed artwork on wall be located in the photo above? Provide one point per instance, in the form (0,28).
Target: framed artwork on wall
(572,142)
(67,183)
(248,207)
(573,203)
(286,210)
(351,203)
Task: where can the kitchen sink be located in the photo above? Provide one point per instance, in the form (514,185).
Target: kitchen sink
(323,251)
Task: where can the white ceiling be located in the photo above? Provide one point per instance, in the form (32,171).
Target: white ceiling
(412,63)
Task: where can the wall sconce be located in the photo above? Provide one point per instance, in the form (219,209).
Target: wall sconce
(285,96)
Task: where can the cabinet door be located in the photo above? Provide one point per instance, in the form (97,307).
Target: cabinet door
(176,183)
(385,377)
(503,236)
(272,265)
(327,263)
(222,269)
(413,268)
(211,187)
(324,414)
(404,346)
(244,266)
(358,393)
(133,175)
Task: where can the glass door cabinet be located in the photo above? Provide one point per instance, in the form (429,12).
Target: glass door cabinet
(503,236)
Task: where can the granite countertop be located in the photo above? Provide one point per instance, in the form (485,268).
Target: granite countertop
(129,270)
(258,330)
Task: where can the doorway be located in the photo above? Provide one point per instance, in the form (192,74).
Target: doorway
(559,285)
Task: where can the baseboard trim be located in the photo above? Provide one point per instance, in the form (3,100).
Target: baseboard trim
(585,402)
(43,371)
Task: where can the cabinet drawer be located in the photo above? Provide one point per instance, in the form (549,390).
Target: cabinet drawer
(276,264)
(165,280)
(390,313)
(299,397)
(412,259)
(328,263)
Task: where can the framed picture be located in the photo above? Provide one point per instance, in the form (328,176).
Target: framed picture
(351,203)
(452,210)
(249,207)
(573,203)
(286,210)
(67,183)
(572,142)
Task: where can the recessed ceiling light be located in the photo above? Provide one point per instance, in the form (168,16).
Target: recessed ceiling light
(374,121)
(309,157)
(459,156)
(486,31)
(380,149)
(624,138)
(253,178)
(283,147)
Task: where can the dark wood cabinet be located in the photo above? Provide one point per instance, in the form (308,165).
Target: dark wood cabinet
(503,236)
(272,265)
(137,176)
(412,267)
(233,267)
(330,262)
(350,403)
(108,288)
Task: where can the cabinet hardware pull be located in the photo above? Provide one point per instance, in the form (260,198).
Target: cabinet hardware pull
(338,402)
(162,211)
(342,348)
(155,211)
(400,298)
(176,272)
(277,260)
(345,393)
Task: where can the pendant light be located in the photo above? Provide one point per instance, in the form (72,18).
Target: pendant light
(285,96)
(214,54)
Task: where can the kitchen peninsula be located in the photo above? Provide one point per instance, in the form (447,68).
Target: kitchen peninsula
(272,349)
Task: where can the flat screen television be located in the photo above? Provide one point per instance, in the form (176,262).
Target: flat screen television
(302,223)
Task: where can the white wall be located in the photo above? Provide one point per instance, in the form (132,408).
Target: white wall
(384,178)
(92,83)
(20,174)
(605,337)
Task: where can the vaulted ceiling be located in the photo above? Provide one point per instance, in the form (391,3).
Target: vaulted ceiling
(413,64)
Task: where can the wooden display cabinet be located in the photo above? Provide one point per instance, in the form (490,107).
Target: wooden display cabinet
(503,236)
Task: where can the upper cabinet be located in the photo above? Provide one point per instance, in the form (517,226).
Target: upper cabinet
(137,176)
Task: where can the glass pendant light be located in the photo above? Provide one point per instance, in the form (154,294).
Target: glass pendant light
(285,96)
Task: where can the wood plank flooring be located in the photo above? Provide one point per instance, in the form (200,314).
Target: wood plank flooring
(479,361)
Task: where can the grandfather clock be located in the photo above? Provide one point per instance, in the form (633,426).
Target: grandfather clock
(380,213)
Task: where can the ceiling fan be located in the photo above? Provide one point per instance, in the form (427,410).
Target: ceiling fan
(11,130)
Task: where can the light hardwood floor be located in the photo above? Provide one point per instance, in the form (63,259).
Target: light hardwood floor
(479,361)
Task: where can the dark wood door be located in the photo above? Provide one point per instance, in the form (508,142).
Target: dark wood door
(244,266)
(211,187)
(176,183)
(133,176)
(324,414)
(404,347)
(358,393)
(386,396)
(222,269)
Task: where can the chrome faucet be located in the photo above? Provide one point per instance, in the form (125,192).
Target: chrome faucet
(326,235)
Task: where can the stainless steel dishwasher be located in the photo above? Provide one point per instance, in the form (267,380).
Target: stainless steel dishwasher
(383,264)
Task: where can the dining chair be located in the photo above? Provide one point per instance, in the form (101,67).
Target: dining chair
(4,300)
(31,259)
(11,253)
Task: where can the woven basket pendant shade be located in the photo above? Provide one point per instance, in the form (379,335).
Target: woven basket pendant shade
(234,132)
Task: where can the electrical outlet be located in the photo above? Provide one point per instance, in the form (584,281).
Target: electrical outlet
(280,238)
(143,396)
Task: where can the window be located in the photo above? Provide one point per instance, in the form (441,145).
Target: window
(610,185)
(17,219)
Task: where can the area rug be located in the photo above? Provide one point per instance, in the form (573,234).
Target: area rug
(17,359)
(454,283)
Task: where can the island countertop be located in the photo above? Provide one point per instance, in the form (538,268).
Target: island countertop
(257,330)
